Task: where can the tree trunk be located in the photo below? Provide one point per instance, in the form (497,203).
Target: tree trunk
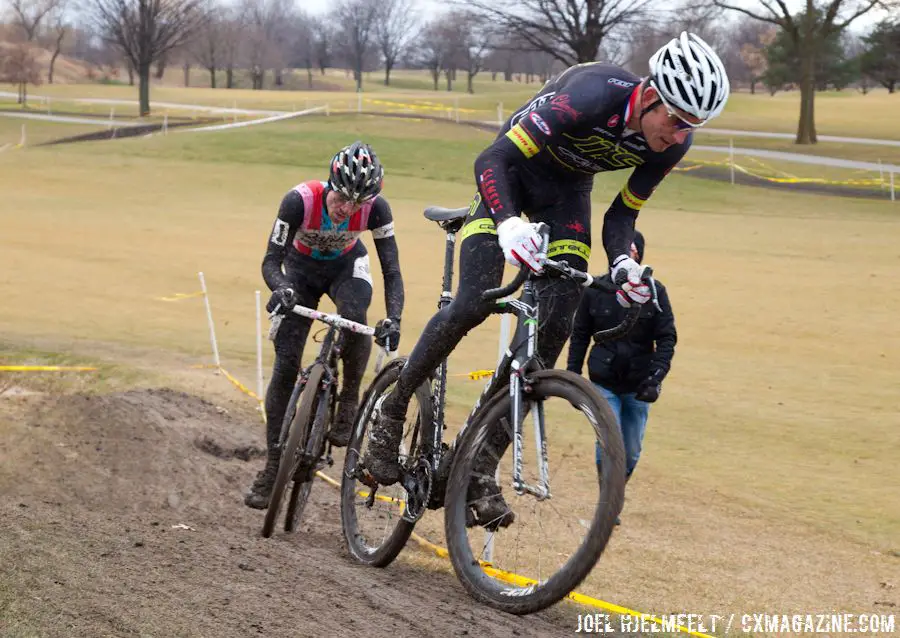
(279,77)
(229,77)
(359,74)
(753,86)
(449,75)
(309,76)
(435,75)
(144,88)
(388,65)
(469,87)
(52,62)
(130,74)
(891,86)
(161,67)
(187,74)
(212,77)
(806,128)
(493,76)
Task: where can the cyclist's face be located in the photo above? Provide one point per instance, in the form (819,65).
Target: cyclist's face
(339,207)
(662,128)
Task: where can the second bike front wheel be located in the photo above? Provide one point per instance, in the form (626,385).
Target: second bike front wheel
(293,450)
(554,541)
(315,447)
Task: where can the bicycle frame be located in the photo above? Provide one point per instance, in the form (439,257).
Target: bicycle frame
(329,352)
(512,367)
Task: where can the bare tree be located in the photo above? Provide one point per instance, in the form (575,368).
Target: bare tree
(324,36)
(395,29)
(808,31)
(265,21)
(469,38)
(232,41)
(206,48)
(18,65)
(431,48)
(303,48)
(358,19)
(59,30)
(572,31)
(146,30)
(28,15)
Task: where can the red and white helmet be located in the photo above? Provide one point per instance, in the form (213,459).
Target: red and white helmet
(688,75)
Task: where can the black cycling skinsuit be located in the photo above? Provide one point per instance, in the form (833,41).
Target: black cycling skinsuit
(542,163)
(319,259)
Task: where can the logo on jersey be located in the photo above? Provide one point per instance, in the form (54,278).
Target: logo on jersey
(540,123)
(361,269)
(560,104)
(622,83)
(280,232)
(613,122)
(538,102)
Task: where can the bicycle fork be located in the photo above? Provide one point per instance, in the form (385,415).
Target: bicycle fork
(517,388)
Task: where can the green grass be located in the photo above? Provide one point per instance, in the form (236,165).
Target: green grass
(780,410)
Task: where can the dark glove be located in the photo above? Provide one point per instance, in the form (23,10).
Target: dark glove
(283,296)
(387,332)
(650,388)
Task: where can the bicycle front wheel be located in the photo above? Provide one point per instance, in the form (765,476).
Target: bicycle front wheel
(554,541)
(292,453)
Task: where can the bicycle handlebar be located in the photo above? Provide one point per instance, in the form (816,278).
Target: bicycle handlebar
(276,317)
(585,279)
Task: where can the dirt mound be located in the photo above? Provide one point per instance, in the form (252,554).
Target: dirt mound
(121,515)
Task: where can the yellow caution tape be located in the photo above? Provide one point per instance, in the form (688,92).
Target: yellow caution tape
(46,369)
(509,577)
(522,581)
(178,296)
(240,386)
(421,106)
(696,163)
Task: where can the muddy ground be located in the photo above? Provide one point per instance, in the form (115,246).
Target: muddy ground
(121,515)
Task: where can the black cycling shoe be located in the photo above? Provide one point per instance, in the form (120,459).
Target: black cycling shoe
(342,428)
(261,491)
(382,455)
(485,506)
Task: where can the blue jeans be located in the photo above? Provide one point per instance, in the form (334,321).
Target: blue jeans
(632,416)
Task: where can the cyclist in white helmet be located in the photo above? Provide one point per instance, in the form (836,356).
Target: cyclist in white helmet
(591,118)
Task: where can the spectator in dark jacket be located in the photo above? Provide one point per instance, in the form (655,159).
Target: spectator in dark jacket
(628,371)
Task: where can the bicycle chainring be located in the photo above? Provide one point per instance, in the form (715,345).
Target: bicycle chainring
(418,483)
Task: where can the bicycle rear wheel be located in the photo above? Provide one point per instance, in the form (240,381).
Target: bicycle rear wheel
(554,542)
(293,451)
(376,533)
(305,475)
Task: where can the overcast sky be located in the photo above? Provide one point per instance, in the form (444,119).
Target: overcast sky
(432,7)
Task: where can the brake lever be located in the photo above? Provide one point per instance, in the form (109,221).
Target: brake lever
(275,317)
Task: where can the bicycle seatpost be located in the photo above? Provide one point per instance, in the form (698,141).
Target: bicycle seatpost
(447,284)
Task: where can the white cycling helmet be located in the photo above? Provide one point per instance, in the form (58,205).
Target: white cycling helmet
(689,75)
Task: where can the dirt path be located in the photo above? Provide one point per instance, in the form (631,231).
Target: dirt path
(93,489)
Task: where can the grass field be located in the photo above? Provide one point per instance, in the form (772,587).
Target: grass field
(767,480)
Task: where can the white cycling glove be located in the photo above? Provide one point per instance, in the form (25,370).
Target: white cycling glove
(521,243)
(632,288)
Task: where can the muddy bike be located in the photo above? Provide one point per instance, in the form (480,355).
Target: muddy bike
(305,449)
(578,473)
